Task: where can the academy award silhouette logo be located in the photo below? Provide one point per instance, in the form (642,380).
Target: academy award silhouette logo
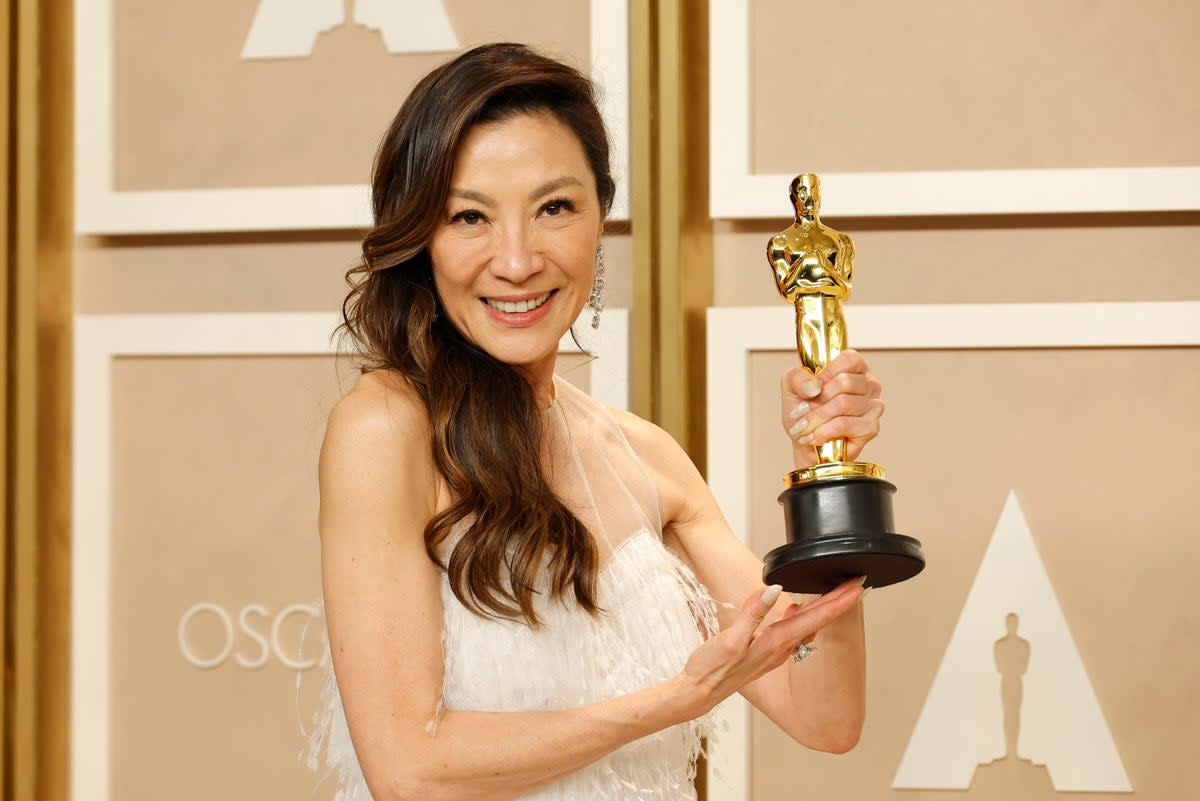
(289,28)
(1011,704)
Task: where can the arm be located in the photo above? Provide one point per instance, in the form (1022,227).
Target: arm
(777,255)
(821,703)
(384,617)
(847,262)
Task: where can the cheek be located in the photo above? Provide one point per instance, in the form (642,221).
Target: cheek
(577,256)
(452,265)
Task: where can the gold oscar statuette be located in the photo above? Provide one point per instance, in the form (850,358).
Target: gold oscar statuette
(838,513)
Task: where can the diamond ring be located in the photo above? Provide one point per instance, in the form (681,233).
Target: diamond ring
(802,652)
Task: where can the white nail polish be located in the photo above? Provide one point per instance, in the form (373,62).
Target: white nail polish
(771,594)
(798,411)
(811,389)
(798,427)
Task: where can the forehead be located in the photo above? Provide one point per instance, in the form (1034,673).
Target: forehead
(528,141)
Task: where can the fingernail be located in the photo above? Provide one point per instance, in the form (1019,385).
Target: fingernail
(771,594)
(798,427)
(807,438)
(799,411)
(810,389)
(861,580)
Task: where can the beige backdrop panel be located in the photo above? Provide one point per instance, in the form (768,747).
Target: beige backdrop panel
(1068,430)
(1054,259)
(930,85)
(247,273)
(190,114)
(215,502)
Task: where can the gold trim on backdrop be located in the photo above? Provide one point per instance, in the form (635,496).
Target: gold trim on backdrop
(671,225)
(642,64)
(6,241)
(669,221)
(683,257)
(36,339)
(55,308)
(20,456)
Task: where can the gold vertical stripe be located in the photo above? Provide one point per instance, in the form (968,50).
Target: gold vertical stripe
(670,340)
(54,337)
(22,421)
(684,254)
(6,37)
(695,265)
(642,357)
(672,232)
(35,220)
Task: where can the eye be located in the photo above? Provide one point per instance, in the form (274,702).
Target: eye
(467,217)
(554,208)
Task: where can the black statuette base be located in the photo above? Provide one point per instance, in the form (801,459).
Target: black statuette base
(839,528)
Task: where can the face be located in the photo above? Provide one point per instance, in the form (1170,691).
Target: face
(514,255)
(803,191)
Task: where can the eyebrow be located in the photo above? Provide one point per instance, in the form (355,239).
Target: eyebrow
(471,194)
(544,189)
(556,184)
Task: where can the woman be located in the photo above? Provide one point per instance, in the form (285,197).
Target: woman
(516,578)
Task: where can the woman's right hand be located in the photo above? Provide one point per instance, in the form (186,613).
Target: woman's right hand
(750,648)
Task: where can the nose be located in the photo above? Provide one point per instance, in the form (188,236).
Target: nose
(518,257)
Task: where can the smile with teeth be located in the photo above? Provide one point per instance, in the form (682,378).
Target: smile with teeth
(518,306)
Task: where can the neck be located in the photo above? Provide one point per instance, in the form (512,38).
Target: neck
(540,376)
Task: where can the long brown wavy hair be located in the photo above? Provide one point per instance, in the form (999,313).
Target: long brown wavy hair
(486,430)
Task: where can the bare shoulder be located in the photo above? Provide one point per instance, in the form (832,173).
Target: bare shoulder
(382,416)
(649,441)
(376,446)
(669,466)
(381,402)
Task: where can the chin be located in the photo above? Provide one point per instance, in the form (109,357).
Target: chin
(520,354)
(524,346)
(524,358)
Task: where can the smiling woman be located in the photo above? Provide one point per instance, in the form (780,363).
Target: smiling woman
(505,616)
(472,184)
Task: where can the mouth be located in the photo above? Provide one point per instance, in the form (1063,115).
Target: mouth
(518,306)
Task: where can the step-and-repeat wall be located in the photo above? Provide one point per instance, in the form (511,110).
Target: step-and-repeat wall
(1020,181)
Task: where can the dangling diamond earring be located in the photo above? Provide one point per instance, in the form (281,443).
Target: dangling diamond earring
(595,301)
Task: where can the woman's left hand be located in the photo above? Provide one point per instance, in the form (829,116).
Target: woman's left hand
(841,401)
